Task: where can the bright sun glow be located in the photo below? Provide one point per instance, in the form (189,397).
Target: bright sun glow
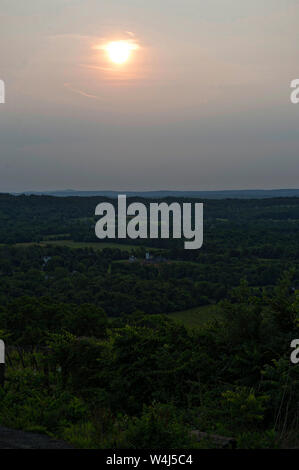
(120,51)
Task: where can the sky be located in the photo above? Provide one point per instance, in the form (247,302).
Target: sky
(203,103)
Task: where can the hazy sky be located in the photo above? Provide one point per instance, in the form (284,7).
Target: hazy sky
(204,103)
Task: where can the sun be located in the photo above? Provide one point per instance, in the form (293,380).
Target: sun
(119,51)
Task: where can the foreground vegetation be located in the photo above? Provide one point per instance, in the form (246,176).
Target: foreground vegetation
(145,381)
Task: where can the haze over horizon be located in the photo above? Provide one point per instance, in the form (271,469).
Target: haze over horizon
(203,103)
(293,192)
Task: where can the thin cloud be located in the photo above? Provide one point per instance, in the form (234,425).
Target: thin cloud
(80,92)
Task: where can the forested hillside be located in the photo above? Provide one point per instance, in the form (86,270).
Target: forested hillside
(99,350)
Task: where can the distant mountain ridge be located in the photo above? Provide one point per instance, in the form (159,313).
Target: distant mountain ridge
(225,194)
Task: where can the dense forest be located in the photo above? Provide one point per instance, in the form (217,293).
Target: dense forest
(99,348)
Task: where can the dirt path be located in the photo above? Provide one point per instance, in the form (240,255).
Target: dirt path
(11,439)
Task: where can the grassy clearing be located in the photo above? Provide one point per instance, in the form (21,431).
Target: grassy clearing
(196,317)
(72,244)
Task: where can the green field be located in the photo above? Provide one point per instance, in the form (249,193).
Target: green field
(196,317)
(72,244)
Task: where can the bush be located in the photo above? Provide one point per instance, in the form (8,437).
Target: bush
(159,427)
